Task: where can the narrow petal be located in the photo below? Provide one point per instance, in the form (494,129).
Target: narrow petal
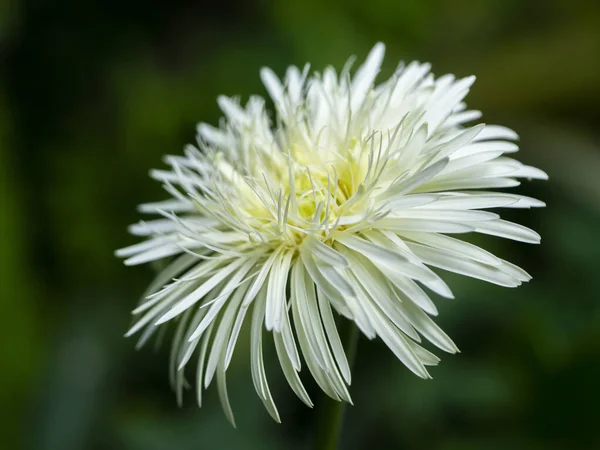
(365,75)
(223,333)
(276,291)
(415,181)
(456,246)
(202,290)
(508,230)
(289,371)
(256,355)
(333,337)
(426,326)
(448,261)
(325,252)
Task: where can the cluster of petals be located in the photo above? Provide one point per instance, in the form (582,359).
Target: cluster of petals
(335,207)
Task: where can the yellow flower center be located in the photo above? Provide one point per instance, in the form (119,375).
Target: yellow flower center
(305,192)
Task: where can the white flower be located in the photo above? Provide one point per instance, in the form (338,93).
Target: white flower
(340,203)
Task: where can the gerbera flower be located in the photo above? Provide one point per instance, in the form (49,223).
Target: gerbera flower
(337,205)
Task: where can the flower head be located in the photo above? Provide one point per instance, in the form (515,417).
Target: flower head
(339,205)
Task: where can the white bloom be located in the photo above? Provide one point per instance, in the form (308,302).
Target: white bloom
(340,203)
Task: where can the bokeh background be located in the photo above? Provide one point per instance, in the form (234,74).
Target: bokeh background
(93,93)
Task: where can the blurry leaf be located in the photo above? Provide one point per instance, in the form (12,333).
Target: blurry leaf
(561,65)
(19,334)
(570,155)
(9,10)
(78,385)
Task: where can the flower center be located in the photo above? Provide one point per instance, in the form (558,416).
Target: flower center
(280,198)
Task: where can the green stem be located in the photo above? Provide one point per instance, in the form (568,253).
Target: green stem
(331,412)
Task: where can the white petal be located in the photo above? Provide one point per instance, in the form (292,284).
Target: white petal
(151,227)
(409,77)
(370,250)
(336,279)
(325,252)
(201,361)
(426,357)
(213,135)
(365,274)
(306,291)
(234,112)
(276,291)
(462,117)
(409,288)
(515,271)
(171,205)
(449,215)
(177,266)
(256,355)
(458,183)
(449,148)
(319,279)
(365,75)
(176,378)
(222,335)
(223,395)
(425,225)
(497,132)
(302,293)
(486,147)
(394,339)
(288,340)
(426,326)
(415,181)
(305,334)
(463,162)
(477,201)
(448,261)
(235,332)
(188,347)
(527,202)
(145,245)
(232,284)
(410,201)
(333,336)
(520,201)
(156,253)
(201,291)
(459,248)
(508,230)
(294,82)
(531,173)
(273,85)
(414,268)
(414,146)
(260,279)
(288,370)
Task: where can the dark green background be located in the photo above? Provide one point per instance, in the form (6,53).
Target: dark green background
(92,93)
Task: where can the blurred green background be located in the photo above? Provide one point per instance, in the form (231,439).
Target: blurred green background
(93,93)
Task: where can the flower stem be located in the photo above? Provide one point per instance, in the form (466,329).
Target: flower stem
(330,415)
